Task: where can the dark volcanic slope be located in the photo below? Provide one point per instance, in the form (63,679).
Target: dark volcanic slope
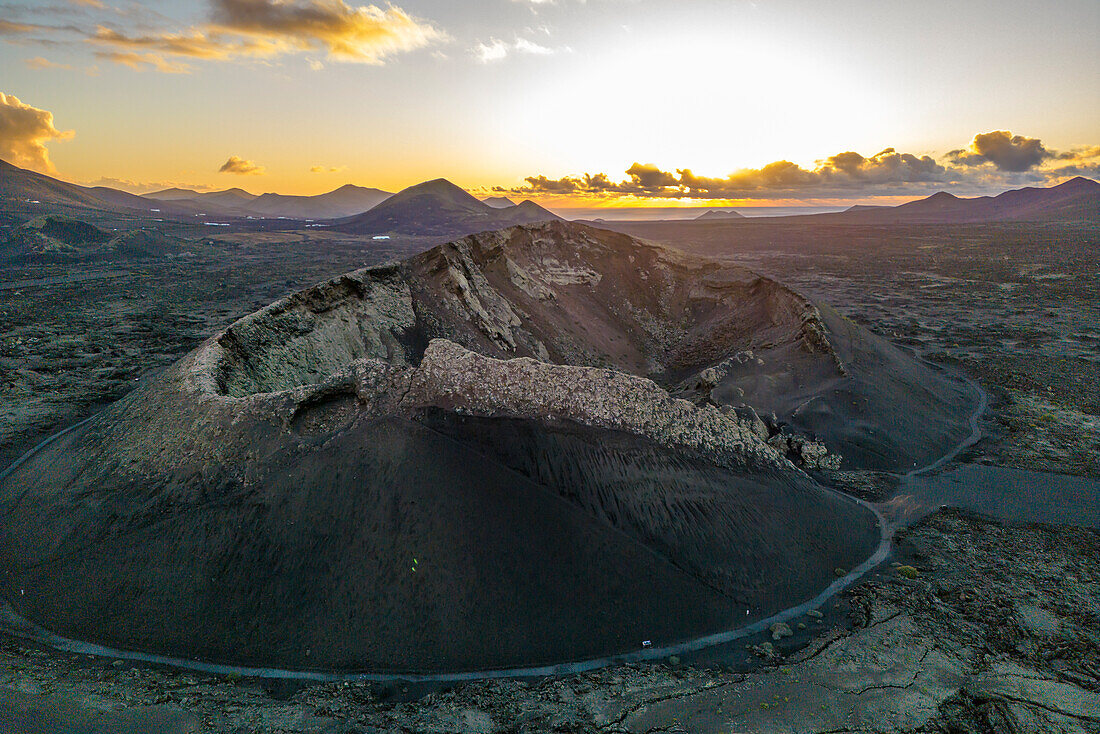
(23,184)
(374,473)
(53,239)
(20,185)
(398,545)
(439,208)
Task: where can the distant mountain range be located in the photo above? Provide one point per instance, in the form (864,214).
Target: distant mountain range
(439,208)
(28,186)
(434,208)
(1076,199)
(343,202)
(718,214)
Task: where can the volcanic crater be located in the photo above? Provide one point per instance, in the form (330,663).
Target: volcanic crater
(529,446)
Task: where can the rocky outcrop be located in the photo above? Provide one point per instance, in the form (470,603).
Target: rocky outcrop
(455,378)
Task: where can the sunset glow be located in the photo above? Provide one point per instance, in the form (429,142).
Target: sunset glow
(312,94)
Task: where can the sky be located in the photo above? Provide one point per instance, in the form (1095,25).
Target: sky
(569,102)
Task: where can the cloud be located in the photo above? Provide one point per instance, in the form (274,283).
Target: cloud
(1085,154)
(649,176)
(496,49)
(267,28)
(145,187)
(995,161)
(39,62)
(887,166)
(24,132)
(1004,150)
(1082,161)
(240,166)
(843,171)
(193,44)
(141,62)
(327,169)
(17,31)
(365,33)
(241,30)
(530,47)
(543,185)
(9,28)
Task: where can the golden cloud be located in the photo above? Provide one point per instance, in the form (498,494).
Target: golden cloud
(8,28)
(650,177)
(365,33)
(1007,152)
(193,44)
(145,187)
(266,28)
(241,167)
(141,62)
(40,62)
(1088,154)
(995,160)
(842,171)
(24,132)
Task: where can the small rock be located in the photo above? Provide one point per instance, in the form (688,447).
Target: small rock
(752,421)
(815,614)
(765,650)
(780,630)
(710,377)
(1037,621)
(814,455)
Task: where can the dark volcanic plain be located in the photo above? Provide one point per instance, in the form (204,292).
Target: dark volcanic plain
(974,625)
